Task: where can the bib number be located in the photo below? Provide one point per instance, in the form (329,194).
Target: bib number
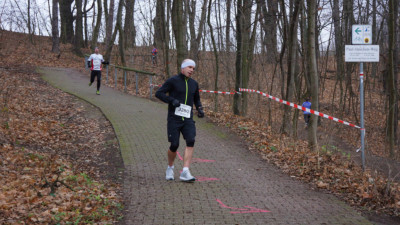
(183,110)
(96,63)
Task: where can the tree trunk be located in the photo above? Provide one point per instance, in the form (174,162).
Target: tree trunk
(54,28)
(292,50)
(216,58)
(244,56)
(29,22)
(195,39)
(228,43)
(118,26)
(78,43)
(312,65)
(284,30)
(166,21)
(159,29)
(130,32)
(374,35)
(96,30)
(392,84)
(338,48)
(349,21)
(85,22)
(161,38)
(238,62)
(109,15)
(270,28)
(85,12)
(67,20)
(177,26)
(272,46)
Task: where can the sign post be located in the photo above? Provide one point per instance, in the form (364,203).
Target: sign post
(359,52)
(362,116)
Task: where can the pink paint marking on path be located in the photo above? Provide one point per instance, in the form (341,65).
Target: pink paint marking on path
(241,210)
(200,179)
(202,160)
(179,155)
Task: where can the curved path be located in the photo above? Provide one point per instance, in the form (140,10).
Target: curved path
(235,186)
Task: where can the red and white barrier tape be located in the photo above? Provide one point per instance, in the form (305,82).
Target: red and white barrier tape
(300,107)
(207,91)
(221,92)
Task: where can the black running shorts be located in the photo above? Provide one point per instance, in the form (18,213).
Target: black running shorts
(186,127)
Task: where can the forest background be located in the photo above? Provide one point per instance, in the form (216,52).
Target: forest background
(289,49)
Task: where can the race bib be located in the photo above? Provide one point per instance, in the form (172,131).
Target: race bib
(183,110)
(96,63)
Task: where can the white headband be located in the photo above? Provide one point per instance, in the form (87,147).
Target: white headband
(187,63)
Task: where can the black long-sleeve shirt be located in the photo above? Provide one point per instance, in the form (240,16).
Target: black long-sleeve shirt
(185,90)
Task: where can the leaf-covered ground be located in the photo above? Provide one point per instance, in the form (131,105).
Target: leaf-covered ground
(53,149)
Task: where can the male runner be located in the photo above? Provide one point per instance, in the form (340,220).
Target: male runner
(94,62)
(183,92)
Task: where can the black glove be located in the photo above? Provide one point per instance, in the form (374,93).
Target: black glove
(88,64)
(200,112)
(176,103)
(106,62)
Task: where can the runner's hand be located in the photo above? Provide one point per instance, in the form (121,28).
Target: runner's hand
(200,112)
(176,103)
(89,64)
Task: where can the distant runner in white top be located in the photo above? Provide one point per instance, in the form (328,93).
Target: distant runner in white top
(95,62)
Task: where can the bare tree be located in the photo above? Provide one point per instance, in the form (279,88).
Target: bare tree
(228,43)
(338,48)
(392,84)
(96,30)
(348,22)
(120,30)
(313,71)
(29,22)
(109,17)
(129,28)
(78,41)
(216,57)
(161,34)
(269,25)
(177,26)
(292,61)
(54,28)
(245,49)
(85,26)
(159,28)
(67,20)
(195,40)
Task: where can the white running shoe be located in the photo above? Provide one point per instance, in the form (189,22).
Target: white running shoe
(186,176)
(169,174)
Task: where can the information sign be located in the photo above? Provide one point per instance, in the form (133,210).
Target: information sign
(361,35)
(361,53)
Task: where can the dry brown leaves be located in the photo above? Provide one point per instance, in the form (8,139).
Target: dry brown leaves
(42,188)
(49,149)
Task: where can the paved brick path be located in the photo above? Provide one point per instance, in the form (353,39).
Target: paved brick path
(237,188)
